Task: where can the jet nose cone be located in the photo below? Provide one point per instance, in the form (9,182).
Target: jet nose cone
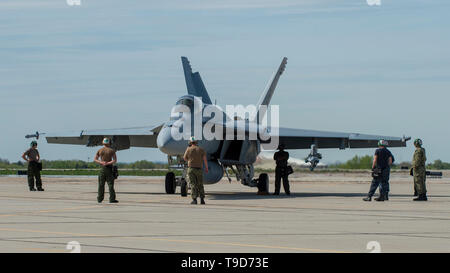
(167,144)
(164,139)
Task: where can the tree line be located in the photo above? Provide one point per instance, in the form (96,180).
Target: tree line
(80,164)
(357,162)
(365,162)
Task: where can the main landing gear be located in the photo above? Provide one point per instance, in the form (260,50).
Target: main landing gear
(245,173)
(263,184)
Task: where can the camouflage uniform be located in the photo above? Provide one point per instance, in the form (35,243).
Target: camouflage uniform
(194,156)
(106,175)
(196,180)
(419,170)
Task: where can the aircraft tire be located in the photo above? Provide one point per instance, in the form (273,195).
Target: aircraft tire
(263,182)
(184,188)
(171,183)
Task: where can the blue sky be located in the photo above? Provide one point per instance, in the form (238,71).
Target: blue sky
(110,64)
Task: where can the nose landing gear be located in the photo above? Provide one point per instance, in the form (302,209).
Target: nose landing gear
(172,181)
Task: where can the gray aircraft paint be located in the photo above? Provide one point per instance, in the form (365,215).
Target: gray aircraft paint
(159,136)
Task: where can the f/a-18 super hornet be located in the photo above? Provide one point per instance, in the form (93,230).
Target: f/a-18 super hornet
(236,150)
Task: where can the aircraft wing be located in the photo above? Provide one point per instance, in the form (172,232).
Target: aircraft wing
(303,139)
(122,138)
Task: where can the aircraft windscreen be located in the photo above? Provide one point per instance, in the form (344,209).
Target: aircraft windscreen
(186,101)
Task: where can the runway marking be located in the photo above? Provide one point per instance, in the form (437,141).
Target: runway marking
(179,241)
(247,245)
(45,250)
(8,215)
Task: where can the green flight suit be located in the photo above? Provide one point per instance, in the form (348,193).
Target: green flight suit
(419,170)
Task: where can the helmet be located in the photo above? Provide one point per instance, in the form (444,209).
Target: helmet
(106,141)
(33,143)
(418,142)
(383,143)
(192,140)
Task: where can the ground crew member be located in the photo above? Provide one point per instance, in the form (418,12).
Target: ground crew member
(419,171)
(106,157)
(382,160)
(32,157)
(281,158)
(196,157)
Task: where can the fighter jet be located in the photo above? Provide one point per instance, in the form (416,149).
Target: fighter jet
(235,154)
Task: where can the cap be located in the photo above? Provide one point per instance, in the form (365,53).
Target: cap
(383,143)
(192,140)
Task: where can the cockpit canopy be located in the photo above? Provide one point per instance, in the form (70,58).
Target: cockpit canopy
(186,100)
(194,104)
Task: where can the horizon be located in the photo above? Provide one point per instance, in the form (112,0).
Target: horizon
(265,155)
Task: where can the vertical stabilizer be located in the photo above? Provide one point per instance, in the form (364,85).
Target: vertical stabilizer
(194,82)
(269,90)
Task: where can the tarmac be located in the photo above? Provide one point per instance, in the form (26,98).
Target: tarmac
(324,214)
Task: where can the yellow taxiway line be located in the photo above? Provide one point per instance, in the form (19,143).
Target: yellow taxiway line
(177,241)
